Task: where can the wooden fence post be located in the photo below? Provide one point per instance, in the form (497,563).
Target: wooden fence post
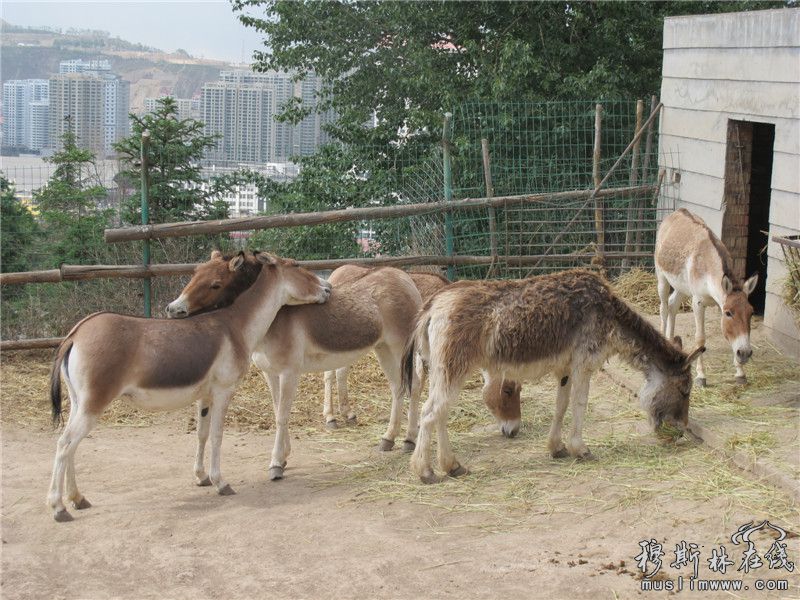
(448,191)
(487,177)
(145,220)
(634,177)
(599,204)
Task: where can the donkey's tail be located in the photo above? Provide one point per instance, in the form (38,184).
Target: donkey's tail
(62,357)
(417,342)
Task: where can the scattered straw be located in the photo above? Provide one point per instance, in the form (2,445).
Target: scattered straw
(640,288)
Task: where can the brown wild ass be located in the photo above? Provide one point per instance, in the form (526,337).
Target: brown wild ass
(695,263)
(501,397)
(373,312)
(162,365)
(566,324)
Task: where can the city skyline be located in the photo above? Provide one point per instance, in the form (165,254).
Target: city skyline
(211,29)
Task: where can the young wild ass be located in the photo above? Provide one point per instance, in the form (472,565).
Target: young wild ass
(373,312)
(566,324)
(163,365)
(695,263)
(501,397)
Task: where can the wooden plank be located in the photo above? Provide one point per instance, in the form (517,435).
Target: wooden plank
(51,276)
(167,230)
(768,65)
(749,97)
(756,29)
(689,122)
(32,344)
(697,156)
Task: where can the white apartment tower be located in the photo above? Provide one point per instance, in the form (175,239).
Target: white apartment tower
(97,102)
(241,107)
(23,103)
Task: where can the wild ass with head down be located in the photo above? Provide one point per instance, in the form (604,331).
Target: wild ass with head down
(163,365)
(501,397)
(695,263)
(566,324)
(373,312)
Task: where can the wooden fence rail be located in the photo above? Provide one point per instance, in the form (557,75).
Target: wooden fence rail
(167,230)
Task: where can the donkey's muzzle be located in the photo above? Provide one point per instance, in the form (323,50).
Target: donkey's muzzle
(510,429)
(743,355)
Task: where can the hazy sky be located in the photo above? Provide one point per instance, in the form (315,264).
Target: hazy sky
(206,28)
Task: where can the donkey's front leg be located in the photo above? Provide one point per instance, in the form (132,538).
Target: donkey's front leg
(280,450)
(554,443)
(580,397)
(699,310)
(203,427)
(218,408)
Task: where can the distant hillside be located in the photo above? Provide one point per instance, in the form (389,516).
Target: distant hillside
(35,54)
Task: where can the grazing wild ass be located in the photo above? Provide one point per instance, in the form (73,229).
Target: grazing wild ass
(163,365)
(501,397)
(373,312)
(566,324)
(695,263)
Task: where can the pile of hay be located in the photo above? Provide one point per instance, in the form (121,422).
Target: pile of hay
(640,288)
(791,286)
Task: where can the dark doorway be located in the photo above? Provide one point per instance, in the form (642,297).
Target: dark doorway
(748,180)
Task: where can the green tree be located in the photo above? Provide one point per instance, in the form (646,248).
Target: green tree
(177,190)
(404,63)
(71,206)
(18,230)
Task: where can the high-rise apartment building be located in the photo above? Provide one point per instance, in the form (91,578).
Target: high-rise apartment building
(96,102)
(241,107)
(23,103)
(188,108)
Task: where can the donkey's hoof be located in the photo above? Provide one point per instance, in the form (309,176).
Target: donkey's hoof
(275,473)
(700,382)
(226,491)
(385,445)
(82,504)
(741,380)
(204,482)
(352,420)
(587,456)
(62,516)
(429,478)
(331,425)
(560,453)
(408,446)
(458,471)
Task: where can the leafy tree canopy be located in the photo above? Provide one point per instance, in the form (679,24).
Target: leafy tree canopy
(407,62)
(19,231)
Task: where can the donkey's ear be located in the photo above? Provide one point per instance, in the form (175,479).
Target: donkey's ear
(750,284)
(695,354)
(677,342)
(727,284)
(236,262)
(216,254)
(266,258)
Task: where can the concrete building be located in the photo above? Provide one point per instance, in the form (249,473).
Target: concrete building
(23,103)
(96,100)
(241,107)
(731,127)
(188,108)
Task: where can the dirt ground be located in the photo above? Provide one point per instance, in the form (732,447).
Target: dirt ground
(351,522)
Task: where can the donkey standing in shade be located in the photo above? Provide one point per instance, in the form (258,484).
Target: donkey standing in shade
(501,397)
(373,312)
(695,263)
(566,324)
(163,365)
